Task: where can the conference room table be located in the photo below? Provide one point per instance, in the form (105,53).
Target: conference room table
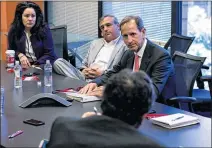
(198,135)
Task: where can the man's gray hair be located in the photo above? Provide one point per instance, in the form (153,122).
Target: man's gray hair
(137,19)
(108,15)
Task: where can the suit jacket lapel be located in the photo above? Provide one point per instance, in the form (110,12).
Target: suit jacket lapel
(96,50)
(146,57)
(130,61)
(22,44)
(115,51)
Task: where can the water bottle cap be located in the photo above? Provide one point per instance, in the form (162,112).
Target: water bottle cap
(2,88)
(47,61)
(39,83)
(16,62)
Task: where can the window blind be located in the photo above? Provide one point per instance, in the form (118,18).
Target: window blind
(81,18)
(156,16)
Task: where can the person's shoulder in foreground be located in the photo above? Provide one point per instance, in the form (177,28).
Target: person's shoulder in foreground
(96,132)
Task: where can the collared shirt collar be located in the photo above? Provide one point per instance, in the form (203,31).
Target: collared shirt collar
(141,51)
(113,42)
(27,33)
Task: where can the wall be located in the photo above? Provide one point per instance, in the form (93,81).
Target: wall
(7,11)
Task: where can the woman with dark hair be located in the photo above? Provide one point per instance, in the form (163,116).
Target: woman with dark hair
(30,37)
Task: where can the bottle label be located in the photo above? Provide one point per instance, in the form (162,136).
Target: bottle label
(17,78)
(17,73)
(48,77)
(48,73)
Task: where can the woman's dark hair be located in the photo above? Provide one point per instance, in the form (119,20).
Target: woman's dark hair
(128,96)
(17,27)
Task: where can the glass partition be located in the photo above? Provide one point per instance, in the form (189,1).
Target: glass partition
(196,21)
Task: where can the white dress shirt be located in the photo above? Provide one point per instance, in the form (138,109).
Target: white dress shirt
(29,51)
(104,54)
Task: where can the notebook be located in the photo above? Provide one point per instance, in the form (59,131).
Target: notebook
(82,97)
(150,115)
(175,120)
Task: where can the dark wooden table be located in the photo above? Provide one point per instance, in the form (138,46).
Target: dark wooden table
(12,120)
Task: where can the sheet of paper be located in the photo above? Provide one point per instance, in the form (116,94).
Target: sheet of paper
(28,79)
(82,97)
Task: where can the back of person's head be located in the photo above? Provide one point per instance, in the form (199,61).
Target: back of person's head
(128,96)
(17,23)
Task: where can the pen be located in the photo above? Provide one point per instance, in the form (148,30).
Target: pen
(15,134)
(177,118)
(95,110)
(152,112)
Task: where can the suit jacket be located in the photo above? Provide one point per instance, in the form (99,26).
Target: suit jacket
(43,48)
(96,132)
(156,62)
(95,48)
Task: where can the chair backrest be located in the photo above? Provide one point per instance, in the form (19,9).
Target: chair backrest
(187,68)
(59,35)
(179,43)
(80,52)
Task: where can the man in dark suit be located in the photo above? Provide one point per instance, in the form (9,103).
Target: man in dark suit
(142,55)
(122,113)
(96,132)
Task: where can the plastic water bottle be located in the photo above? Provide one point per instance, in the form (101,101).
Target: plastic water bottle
(48,73)
(18,75)
(2,100)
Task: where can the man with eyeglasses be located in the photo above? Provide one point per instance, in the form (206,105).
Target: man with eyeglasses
(142,55)
(102,55)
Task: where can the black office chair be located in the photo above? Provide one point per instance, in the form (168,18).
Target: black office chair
(182,43)
(203,105)
(187,68)
(178,43)
(200,79)
(59,35)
